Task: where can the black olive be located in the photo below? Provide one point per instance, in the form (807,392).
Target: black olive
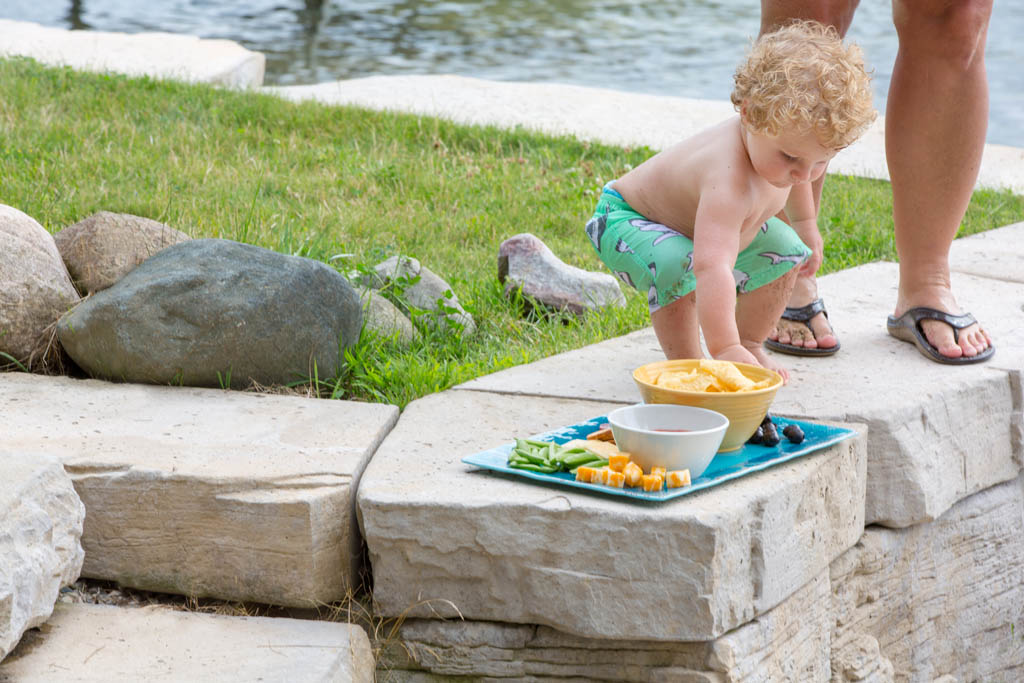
(793,433)
(771,435)
(767,419)
(757,437)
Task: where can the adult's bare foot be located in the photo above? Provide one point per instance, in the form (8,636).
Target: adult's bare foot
(816,333)
(972,339)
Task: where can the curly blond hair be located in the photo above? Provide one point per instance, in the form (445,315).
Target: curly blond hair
(803,77)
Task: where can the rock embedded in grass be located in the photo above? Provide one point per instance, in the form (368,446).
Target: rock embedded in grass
(528,265)
(35,289)
(421,288)
(213,312)
(101,249)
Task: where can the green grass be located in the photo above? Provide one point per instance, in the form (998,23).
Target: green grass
(352,187)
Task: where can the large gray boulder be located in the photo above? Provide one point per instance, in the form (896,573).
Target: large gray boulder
(528,265)
(35,289)
(103,248)
(214,313)
(41,521)
(425,290)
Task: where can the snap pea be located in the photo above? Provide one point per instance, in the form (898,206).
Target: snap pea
(550,457)
(546,469)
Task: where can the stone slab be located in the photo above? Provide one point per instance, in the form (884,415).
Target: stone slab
(41,520)
(601,115)
(944,598)
(448,539)
(224,494)
(159,55)
(936,433)
(789,643)
(997,254)
(99,643)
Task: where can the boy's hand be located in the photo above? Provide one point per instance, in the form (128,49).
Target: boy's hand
(809,235)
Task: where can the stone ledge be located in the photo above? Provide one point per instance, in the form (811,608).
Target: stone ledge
(101,643)
(936,434)
(159,55)
(41,521)
(203,492)
(444,535)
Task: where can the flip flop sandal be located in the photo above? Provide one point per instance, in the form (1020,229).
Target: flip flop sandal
(907,328)
(802,315)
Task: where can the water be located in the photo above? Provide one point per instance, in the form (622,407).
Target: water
(686,48)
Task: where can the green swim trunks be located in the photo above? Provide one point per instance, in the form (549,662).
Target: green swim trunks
(655,258)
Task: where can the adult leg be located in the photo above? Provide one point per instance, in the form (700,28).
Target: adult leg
(816,333)
(675,325)
(936,117)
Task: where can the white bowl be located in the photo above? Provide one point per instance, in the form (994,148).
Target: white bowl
(638,431)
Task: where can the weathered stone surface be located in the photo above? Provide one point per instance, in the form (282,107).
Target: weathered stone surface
(160,55)
(789,643)
(936,434)
(36,288)
(527,265)
(103,248)
(991,254)
(224,494)
(99,644)
(385,319)
(41,521)
(213,312)
(442,533)
(942,598)
(428,293)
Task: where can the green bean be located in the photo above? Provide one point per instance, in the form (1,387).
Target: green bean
(546,469)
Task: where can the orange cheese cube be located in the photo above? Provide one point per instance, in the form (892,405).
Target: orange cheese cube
(616,479)
(617,463)
(633,474)
(660,471)
(677,478)
(599,476)
(652,482)
(584,473)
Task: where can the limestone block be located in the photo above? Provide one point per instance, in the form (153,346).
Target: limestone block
(944,598)
(446,538)
(204,492)
(159,55)
(99,643)
(995,253)
(788,643)
(936,434)
(41,520)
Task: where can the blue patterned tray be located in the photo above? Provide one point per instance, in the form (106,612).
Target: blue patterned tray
(723,467)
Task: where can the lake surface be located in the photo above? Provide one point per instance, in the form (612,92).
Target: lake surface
(685,48)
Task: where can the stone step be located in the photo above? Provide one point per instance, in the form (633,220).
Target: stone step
(941,599)
(936,433)
(446,538)
(224,494)
(159,55)
(41,520)
(87,643)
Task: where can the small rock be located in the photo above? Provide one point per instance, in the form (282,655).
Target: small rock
(103,248)
(35,290)
(428,293)
(385,319)
(526,263)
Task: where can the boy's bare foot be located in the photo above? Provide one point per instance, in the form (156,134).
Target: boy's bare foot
(766,361)
(816,333)
(973,340)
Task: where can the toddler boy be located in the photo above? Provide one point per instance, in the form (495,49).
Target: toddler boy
(695,225)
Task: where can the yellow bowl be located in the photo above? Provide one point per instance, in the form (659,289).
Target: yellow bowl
(745,409)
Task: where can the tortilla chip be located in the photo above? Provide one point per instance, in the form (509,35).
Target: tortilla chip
(728,375)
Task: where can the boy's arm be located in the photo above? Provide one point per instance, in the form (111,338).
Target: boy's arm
(803,218)
(716,239)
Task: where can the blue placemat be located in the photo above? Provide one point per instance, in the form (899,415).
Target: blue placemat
(724,467)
